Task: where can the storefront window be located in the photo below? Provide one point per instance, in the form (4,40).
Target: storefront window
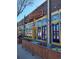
(56,16)
(55,33)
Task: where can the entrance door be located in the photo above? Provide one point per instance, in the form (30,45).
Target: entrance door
(56,33)
(44,32)
(39,33)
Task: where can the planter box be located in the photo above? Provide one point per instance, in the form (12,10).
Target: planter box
(45,53)
(19,41)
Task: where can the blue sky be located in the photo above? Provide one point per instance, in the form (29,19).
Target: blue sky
(29,9)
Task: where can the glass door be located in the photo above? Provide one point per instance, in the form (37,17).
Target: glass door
(44,32)
(39,33)
(56,33)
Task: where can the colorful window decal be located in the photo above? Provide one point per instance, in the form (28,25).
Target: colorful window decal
(56,16)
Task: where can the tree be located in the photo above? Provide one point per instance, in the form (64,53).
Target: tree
(21,5)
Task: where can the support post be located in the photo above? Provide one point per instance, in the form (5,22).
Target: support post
(49,21)
(24,26)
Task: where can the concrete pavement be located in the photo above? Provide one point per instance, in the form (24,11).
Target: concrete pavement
(23,53)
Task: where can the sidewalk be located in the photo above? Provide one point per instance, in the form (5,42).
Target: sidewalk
(24,54)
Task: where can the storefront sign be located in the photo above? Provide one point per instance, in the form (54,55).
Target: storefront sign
(37,14)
